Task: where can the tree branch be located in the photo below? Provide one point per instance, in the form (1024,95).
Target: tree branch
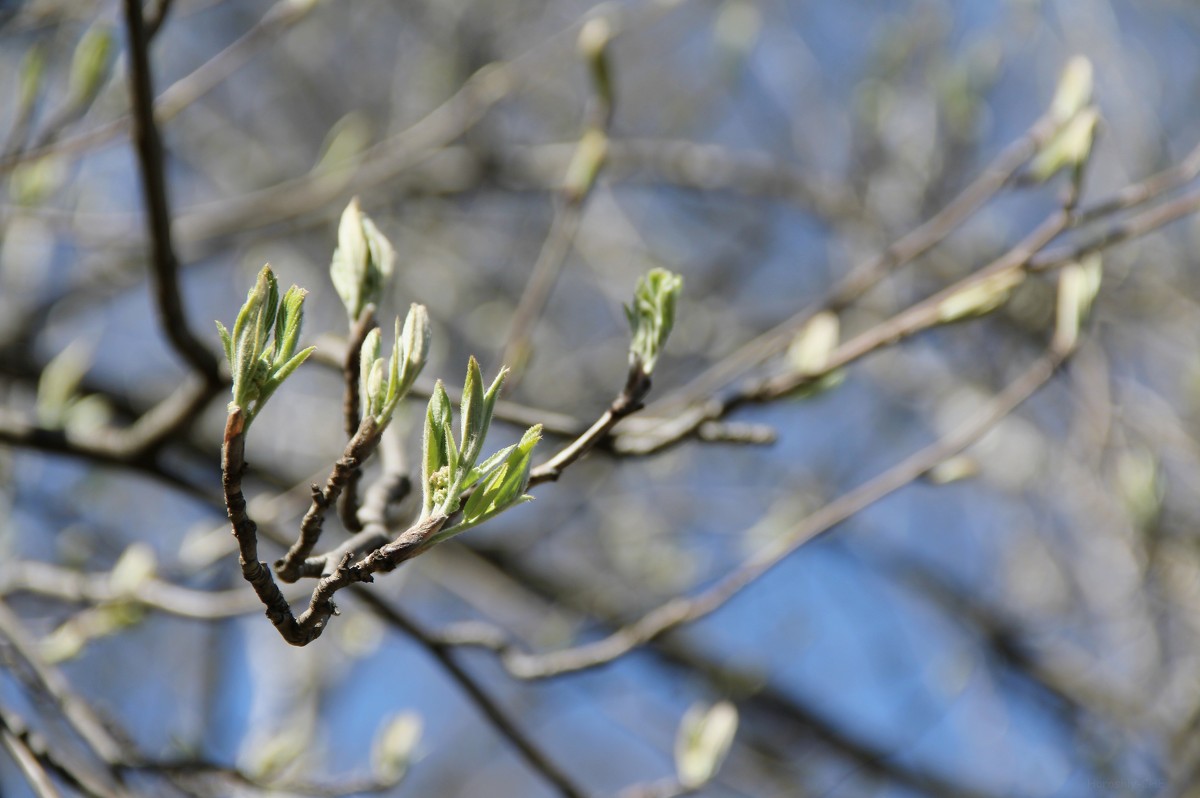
(150,160)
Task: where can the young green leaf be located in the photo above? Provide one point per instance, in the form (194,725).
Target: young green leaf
(505,485)
(651,316)
(226,341)
(261,347)
(471,418)
(434,459)
(362,263)
(368,356)
(89,64)
(1074,89)
(1069,148)
(486,468)
(33,68)
(394,745)
(704,738)
(489,403)
(288,324)
(415,339)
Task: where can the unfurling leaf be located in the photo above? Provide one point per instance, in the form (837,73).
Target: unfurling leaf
(58,385)
(449,469)
(382,389)
(409,353)
(362,263)
(89,64)
(704,738)
(980,298)
(1074,90)
(503,483)
(394,746)
(472,406)
(261,347)
(651,316)
(1078,284)
(136,566)
(435,461)
(810,350)
(1069,148)
(368,357)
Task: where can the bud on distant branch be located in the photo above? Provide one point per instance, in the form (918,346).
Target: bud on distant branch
(651,316)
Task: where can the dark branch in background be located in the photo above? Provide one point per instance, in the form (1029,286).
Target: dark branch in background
(42,759)
(154,24)
(150,161)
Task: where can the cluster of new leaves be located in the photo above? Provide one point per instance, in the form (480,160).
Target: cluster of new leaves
(262,346)
(459,491)
(651,316)
(381,390)
(448,469)
(261,352)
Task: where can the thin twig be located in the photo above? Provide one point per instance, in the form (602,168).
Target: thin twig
(298,631)
(360,447)
(1145,190)
(542,279)
(1133,227)
(629,401)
